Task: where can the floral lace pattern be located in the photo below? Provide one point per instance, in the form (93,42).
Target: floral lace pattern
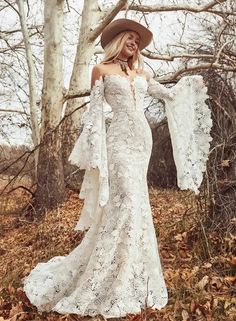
(189,121)
(116,268)
(90,151)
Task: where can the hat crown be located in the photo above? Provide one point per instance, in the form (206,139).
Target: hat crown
(119,25)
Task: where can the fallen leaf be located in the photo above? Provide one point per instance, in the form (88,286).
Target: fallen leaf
(185,315)
(225,163)
(204,281)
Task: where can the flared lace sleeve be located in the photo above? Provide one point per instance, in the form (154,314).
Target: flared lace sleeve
(90,153)
(156,90)
(189,122)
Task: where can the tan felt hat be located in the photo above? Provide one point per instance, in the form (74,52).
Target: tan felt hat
(119,25)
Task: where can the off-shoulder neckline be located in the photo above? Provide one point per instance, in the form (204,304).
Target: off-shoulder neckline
(129,80)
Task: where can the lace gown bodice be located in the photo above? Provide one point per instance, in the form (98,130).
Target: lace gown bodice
(123,94)
(129,132)
(116,268)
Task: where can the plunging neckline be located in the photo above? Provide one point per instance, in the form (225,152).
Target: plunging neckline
(130,82)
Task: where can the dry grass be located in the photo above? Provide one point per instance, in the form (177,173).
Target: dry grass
(200,281)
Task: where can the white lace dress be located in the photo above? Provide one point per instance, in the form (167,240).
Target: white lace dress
(116,268)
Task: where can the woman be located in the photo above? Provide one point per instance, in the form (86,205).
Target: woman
(116,269)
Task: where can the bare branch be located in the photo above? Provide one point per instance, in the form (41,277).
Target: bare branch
(13,111)
(152,55)
(12,6)
(204,66)
(222,13)
(28,7)
(107,17)
(12,180)
(2,8)
(80,94)
(23,187)
(7,32)
(221,49)
(179,7)
(13,48)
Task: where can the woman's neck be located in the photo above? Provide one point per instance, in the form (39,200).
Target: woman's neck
(123,65)
(123,57)
(122,60)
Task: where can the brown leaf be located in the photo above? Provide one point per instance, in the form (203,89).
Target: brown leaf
(204,281)
(193,306)
(185,315)
(225,163)
(207,265)
(15,310)
(230,279)
(179,237)
(233,260)
(216,283)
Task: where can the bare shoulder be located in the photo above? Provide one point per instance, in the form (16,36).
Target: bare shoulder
(97,70)
(97,73)
(101,70)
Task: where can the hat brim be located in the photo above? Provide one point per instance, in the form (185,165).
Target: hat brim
(120,25)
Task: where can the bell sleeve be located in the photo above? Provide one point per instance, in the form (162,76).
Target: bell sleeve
(90,153)
(189,121)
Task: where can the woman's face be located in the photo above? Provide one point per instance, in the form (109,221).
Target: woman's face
(131,44)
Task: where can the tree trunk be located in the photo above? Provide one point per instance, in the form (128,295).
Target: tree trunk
(32,84)
(162,171)
(79,81)
(50,177)
(93,22)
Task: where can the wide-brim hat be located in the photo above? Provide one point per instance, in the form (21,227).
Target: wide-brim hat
(120,25)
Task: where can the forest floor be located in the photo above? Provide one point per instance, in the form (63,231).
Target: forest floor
(199,266)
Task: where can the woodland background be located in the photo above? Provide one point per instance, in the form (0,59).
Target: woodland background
(47,51)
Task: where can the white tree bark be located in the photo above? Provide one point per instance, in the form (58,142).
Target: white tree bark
(50,176)
(52,95)
(14,111)
(207,7)
(93,22)
(32,83)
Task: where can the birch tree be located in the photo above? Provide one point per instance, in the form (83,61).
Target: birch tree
(50,175)
(30,63)
(32,82)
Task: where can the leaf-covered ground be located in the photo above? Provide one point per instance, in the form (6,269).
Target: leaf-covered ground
(199,267)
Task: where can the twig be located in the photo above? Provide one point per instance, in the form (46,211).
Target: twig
(12,7)
(23,187)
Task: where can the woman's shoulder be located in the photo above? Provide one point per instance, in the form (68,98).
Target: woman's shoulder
(98,71)
(101,68)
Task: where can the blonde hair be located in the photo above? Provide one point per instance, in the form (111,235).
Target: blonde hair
(114,47)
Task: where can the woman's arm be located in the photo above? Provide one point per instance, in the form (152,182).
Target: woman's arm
(156,90)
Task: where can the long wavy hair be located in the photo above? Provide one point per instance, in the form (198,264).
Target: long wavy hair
(114,48)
